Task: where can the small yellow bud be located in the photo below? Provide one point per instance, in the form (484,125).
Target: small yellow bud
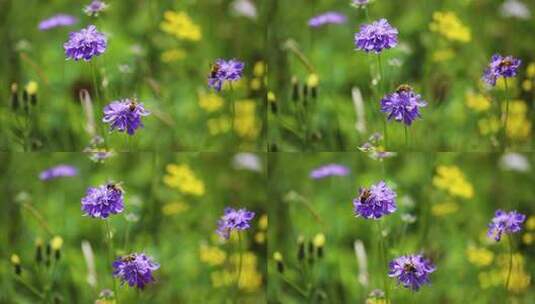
(56,242)
(313,80)
(32,87)
(319,240)
(15,259)
(277,256)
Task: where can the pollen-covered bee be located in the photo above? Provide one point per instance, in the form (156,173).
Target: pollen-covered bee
(115,187)
(404,88)
(214,70)
(365,195)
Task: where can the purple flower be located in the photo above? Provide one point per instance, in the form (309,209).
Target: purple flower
(376,37)
(500,66)
(234,220)
(327,18)
(360,3)
(95,7)
(225,70)
(505,222)
(329,170)
(57,21)
(403,105)
(102,201)
(377,201)
(412,271)
(58,171)
(124,115)
(85,44)
(135,269)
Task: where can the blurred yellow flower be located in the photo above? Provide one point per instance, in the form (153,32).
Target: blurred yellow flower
(210,102)
(443,209)
(245,122)
(271,96)
(15,259)
(250,278)
(530,70)
(511,83)
(479,256)
(528,238)
(530,223)
(32,87)
(443,55)
(452,179)
(218,125)
(448,25)
(256,84)
(489,126)
(174,208)
(263,222)
(56,242)
(212,255)
(259,69)
(319,240)
(313,80)
(520,280)
(518,124)
(173,55)
(527,85)
(181,26)
(181,177)
(477,102)
(260,237)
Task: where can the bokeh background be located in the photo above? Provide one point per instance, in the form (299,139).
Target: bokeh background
(158,51)
(172,204)
(445,202)
(444,47)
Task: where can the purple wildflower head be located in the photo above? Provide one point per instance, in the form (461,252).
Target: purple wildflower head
(377,201)
(505,223)
(95,7)
(124,115)
(135,269)
(103,201)
(412,271)
(234,219)
(58,171)
(327,18)
(57,21)
(329,170)
(376,37)
(225,70)
(360,3)
(85,44)
(501,66)
(403,105)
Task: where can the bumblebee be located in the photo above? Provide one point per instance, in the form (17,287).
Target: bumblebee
(404,88)
(214,70)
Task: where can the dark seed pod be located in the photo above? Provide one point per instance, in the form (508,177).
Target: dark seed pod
(14,97)
(295,89)
(39,252)
(33,99)
(314,92)
(280,263)
(300,249)
(311,250)
(15,261)
(57,254)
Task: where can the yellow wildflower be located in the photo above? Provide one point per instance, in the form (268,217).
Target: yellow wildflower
(319,240)
(259,69)
(260,237)
(477,102)
(15,259)
(511,83)
(527,85)
(528,238)
(452,179)
(181,26)
(218,125)
(250,278)
(173,55)
(530,70)
(256,84)
(212,255)
(443,55)
(479,256)
(271,96)
(263,222)
(488,126)
(448,25)
(519,280)
(245,122)
(518,124)
(443,209)
(32,87)
(56,242)
(210,102)
(182,178)
(313,80)
(174,208)
(530,223)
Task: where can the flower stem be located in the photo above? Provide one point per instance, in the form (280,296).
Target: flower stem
(240,264)
(506,114)
(29,287)
(381,91)
(382,253)
(110,257)
(294,286)
(406,138)
(509,271)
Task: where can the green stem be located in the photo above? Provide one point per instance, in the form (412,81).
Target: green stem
(383,254)
(509,271)
(29,287)
(406,139)
(506,114)
(381,91)
(240,264)
(294,286)
(232,110)
(110,257)
(95,82)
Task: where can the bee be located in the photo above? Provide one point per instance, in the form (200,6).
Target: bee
(409,267)
(133,105)
(506,62)
(129,258)
(214,70)
(115,187)
(404,88)
(365,195)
